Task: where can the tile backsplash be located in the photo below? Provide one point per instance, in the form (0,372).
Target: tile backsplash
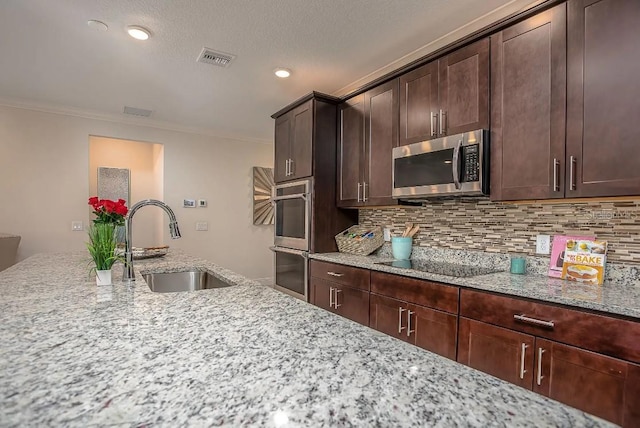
(479,224)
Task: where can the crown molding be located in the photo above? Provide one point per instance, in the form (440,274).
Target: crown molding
(107,117)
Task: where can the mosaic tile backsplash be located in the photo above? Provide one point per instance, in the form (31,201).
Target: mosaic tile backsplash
(479,224)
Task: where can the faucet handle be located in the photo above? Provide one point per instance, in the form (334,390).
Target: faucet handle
(174,230)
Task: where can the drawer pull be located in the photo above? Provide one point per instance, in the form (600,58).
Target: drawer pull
(400,311)
(522,356)
(331,296)
(534,321)
(540,377)
(336,305)
(335,274)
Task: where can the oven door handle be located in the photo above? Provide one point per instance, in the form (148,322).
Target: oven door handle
(294,196)
(303,254)
(455,164)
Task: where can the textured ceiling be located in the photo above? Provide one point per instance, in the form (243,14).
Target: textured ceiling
(52,60)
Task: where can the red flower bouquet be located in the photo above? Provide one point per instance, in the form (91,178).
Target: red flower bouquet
(108,211)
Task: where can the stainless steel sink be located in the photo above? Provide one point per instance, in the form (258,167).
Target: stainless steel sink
(171,282)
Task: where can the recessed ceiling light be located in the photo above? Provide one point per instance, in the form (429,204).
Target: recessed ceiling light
(137,32)
(282,72)
(97,25)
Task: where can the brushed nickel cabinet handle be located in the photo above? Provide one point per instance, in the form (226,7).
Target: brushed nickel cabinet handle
(523,352)
(442,122)
(572,177)
(556,170)
(434,119)
(291,166)
(400,311)
(331,297)
(409,331)
(534,321)
(364,191)
(286,168)
(335,300)
(359,187)
(540,377)
(335,274)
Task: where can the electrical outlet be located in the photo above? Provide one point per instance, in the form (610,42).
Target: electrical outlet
(386,233)
(543,244)
(77,226)
(202,226)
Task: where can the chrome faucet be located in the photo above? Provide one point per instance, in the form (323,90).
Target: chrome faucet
(174,231)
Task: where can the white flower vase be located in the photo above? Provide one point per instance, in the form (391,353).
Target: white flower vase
(103,277)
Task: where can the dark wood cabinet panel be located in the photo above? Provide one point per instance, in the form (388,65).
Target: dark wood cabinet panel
(389,316)
(603,102)
(349,302)
(282,147)
(421,292)
(320,291)
(503,353)
(340,274)
(599,333)
(302,141)
(600,385)
(528,87)
(418,101)
(381,136)
(351,152)
(464,89)
(433,330)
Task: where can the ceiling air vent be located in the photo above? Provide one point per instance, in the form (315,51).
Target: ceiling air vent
(137,111)
(221,59)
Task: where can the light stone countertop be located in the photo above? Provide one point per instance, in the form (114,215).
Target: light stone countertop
(74,354)
(618,297)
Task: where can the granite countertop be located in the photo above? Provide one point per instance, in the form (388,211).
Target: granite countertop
(618,297)
(74,354)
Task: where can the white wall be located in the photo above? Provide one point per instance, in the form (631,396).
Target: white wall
(44,185)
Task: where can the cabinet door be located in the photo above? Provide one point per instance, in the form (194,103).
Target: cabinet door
(302,141)
(528,87)
(503,353)
(389,316)
(282,145)
(381,130)
(351,152)
(321,293)
(433,330)
(603,104)
(353,304)
(418,101)
(600,385)
(464,89)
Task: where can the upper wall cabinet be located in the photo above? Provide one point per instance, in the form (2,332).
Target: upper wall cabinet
(368,132)
(528,86)
(447,96)
(577,60)
(293,143)
(603,98)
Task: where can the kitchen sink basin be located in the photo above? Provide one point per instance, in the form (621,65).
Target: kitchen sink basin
(171,282)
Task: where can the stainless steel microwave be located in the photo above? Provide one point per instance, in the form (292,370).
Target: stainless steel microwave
(452,165)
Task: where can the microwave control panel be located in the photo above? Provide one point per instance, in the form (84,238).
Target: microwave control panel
(471,156)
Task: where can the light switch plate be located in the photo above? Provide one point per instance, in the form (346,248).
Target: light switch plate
(76,226)
(202,226)
(543,244)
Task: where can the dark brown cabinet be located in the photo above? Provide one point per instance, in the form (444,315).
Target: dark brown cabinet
(368,133)
(447,96)
(512,339)
(565,101)
(528,86)
(340,289)
(394,311)
(293,144)
(603,99)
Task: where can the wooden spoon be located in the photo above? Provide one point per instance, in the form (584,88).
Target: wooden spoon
(413,231)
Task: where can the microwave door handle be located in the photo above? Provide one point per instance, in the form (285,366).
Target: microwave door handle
(294,196)
(455,167)
(303,254)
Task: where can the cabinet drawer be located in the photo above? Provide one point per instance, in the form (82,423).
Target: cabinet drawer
(600,333)
(340,274)
(420,292)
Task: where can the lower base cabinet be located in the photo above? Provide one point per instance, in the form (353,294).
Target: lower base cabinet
(603,386)
(433,330)
(349,302)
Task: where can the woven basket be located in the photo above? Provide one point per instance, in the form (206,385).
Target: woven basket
(361,240)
